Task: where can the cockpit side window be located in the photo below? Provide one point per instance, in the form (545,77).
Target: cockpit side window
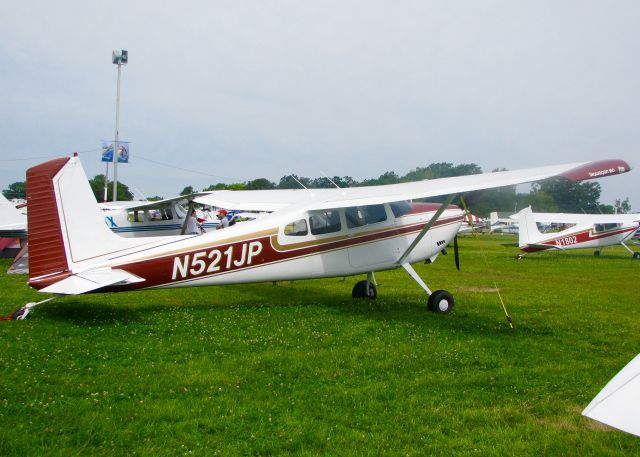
(296,228)
(326,221)
(605,227)
(400,208)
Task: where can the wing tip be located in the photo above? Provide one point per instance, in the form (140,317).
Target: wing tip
(597,169)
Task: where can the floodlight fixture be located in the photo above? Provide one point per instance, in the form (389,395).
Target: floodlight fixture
(120,57)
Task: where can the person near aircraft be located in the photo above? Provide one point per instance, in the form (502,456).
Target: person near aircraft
(193,227)
(224,222)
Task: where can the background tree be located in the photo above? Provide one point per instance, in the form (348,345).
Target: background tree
(16,190)
(260,184)
(188,190)
(441,170)
(97,186)
(289,182)
(388,177)
(570,196)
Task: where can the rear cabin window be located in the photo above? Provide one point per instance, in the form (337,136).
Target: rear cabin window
(357,216)
(327,221)
(297,228)
(400,208)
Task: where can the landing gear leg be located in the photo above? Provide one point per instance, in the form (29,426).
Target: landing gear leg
(439,301)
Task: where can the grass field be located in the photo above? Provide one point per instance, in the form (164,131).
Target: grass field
(302,369)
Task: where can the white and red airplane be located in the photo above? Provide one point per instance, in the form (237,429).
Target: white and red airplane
(311,233)
(13,228)
(584,231)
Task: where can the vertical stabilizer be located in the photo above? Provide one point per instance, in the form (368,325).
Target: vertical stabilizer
(66,228)
(47,254)
(527,228)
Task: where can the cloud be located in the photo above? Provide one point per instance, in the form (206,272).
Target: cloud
(265,88)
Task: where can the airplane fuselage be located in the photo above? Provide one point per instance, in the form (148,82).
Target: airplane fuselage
(321,243)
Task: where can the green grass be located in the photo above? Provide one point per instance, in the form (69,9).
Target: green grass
(302,369)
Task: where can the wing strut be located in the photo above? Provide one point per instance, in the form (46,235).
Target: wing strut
(425,229)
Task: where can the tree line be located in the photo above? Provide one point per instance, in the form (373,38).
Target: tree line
(551,195)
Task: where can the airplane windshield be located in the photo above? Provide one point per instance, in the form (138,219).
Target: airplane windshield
(605,227)
(297,228)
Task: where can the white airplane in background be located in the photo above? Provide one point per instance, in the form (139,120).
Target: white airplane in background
(502,224)
(132,219)
(13,228)
(584,231)
(13,223)
(310,234)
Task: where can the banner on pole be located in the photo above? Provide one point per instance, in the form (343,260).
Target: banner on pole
(123,152)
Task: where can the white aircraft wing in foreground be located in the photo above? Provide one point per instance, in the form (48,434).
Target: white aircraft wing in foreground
(313,234)
(618,404)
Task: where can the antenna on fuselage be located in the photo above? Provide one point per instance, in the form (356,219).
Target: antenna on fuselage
(342,191)
(303,186)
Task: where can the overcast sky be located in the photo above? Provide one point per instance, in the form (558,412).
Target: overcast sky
(246,89)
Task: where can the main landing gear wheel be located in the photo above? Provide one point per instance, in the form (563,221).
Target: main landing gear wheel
(440,301)
(636,255)
(360,290)
(596,253)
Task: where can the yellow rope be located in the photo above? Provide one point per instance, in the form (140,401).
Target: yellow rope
(484,256)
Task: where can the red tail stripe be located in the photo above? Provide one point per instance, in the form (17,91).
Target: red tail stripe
(46,246)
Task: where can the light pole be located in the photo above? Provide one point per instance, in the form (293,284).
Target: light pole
(119,58)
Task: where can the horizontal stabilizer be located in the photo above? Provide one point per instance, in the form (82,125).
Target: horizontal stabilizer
(542,247)
(91,280)
(618,403)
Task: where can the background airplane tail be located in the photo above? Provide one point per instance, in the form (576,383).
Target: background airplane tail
(527,228)
(66,227)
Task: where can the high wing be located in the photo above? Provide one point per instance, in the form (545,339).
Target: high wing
(165,203)
(315,199)
(262,200)
(570,218)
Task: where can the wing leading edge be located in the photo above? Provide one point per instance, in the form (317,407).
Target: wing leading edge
(274,200)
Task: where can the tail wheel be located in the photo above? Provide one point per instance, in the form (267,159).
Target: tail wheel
(360,290)
(440,301)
